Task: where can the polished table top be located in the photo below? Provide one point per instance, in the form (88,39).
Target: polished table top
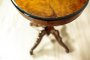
(50,10)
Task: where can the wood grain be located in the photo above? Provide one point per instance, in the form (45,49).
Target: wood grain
(50,8)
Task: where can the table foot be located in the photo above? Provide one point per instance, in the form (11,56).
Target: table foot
(59,39)
(38,41)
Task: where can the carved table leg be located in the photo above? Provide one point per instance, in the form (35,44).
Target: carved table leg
(59,39)
(43,32)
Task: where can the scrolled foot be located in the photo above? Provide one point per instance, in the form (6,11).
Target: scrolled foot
(38,41)
(59,40)
(31,52)
(67,50)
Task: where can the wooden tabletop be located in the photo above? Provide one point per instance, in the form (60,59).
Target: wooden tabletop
(51,8)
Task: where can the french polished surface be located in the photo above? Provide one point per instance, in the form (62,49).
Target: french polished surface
(50,8)
(17,37)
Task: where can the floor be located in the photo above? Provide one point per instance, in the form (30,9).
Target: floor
(17,37)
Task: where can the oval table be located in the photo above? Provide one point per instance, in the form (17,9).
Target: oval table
(49,23)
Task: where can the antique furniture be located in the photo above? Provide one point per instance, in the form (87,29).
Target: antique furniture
(49,23)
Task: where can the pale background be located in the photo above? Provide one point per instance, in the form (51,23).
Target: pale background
(17,37)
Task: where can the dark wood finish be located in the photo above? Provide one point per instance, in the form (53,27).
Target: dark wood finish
(51,23)
(47,31)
